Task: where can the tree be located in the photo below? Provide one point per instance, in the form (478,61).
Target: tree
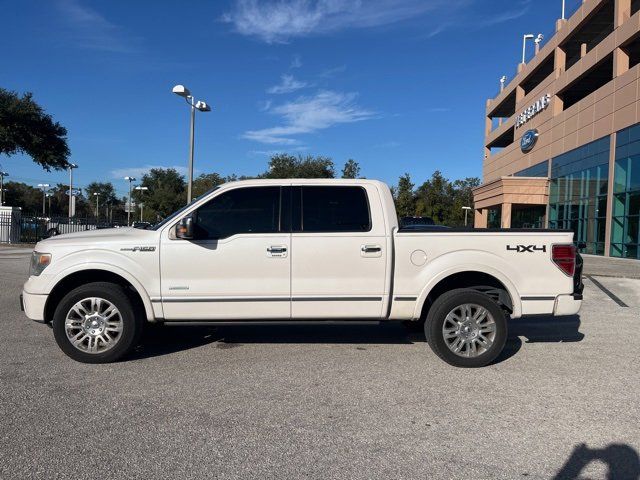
(26,128)
(351,169)
(435,198)
(405,197)
(106,197)
(207,181)
(463,197)
(166,192)
(287,166)
(22,195)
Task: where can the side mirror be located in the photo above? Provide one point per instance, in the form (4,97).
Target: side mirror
(184,229)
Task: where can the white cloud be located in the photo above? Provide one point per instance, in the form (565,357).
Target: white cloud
(309,114)
(287,84)
(332,72)
(278,21)
(271,153)
(296,62)
(138,172)
(89,29)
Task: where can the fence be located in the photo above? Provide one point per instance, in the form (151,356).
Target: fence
(19,227)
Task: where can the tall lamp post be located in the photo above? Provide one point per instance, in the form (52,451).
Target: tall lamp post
(130,180)
(2,175)
(49,195)
(44,187)
(525,37)
(184,92)
(141,189)
(466,211)
(71,167)
(97,195)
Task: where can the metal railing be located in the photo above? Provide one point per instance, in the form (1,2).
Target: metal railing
(20,227)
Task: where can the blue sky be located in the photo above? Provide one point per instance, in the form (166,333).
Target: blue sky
(400,86)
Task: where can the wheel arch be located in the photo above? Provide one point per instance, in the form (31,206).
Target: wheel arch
(492,283)
(136,292)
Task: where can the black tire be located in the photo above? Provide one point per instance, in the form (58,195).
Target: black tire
(132,322)
(436,317)
(52,232)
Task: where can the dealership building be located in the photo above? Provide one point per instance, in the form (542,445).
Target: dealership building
(562,138)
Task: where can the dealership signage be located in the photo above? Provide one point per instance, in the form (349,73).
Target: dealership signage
(528,140)
(533,110)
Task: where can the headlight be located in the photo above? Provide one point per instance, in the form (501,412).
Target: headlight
(39,261)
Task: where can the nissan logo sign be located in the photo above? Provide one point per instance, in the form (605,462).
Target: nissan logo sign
(528,140)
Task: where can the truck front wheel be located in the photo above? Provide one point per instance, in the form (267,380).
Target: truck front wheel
(96,323)
(466,328)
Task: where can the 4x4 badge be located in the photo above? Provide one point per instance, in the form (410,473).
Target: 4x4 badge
(527,248)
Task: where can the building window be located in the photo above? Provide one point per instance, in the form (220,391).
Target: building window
(528,216)
(494,217)
(578,193)
(538,170)
(626,195)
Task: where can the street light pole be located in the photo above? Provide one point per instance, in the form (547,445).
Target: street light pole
(2,175)
(44,187)
(194,104)
(191,147)
(141,189)
(71,166)
(129,179)
(49,195)
(97,195)
(525,37)
(466,211)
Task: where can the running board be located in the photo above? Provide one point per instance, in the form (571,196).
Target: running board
(228,323)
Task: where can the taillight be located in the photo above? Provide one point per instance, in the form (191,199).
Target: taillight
(564,256)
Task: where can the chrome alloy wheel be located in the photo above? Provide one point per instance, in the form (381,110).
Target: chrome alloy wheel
(93,325)
(469,330)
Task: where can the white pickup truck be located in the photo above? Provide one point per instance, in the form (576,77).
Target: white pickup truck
(303,250)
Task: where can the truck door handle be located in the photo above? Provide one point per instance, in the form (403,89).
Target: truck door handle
(277,251)
(371,248)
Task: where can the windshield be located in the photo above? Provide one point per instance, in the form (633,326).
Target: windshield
(177,213)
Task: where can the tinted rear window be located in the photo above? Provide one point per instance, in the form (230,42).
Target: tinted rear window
(335,209)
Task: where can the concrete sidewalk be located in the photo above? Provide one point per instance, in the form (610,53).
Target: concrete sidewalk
(611,267)
(15,250)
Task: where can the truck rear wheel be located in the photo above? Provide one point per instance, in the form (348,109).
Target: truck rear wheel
(466,328)
(96,323)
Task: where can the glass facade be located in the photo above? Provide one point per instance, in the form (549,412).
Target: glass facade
(528,216)
(626,194)
(494,217)
(578,193)
(539,170)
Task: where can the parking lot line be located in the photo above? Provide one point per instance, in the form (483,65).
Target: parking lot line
(608,292)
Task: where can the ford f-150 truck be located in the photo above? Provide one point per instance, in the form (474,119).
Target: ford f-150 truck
(301,250)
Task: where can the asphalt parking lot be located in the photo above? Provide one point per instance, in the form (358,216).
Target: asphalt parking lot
(366,401)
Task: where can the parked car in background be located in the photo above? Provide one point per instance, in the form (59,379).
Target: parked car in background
(418,221)
(299,250)
(142,225)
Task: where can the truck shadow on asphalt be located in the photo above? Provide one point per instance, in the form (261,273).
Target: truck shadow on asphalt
(542,329)
(621,459)
(164,340)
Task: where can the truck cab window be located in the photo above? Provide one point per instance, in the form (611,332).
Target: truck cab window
(335,209)
(242,210)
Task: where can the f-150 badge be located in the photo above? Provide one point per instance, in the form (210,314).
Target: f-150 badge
(138,249)
(526,248)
